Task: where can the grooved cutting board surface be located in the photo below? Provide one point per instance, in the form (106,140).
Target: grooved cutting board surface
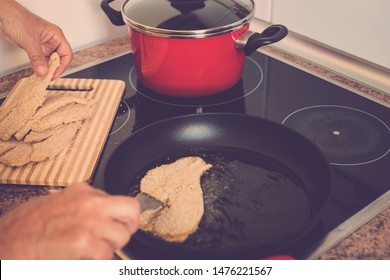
(77,161)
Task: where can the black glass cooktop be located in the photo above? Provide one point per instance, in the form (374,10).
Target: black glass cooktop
(351,131)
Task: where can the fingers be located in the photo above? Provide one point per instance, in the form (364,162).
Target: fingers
(65,52)
(38,61)
(117,207)
(121,213)
(84,245)
(124,209)
(100,239)
(65,61)
(115,234)
(113,219)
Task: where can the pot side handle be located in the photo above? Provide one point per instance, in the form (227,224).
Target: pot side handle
(271,34)
(113,15)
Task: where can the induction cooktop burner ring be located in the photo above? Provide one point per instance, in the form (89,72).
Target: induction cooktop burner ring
(321,127)
(237,92)
(120,121)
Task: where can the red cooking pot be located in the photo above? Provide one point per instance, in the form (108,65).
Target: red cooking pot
(191,48)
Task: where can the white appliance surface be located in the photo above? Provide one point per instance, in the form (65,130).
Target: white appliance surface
(356,27)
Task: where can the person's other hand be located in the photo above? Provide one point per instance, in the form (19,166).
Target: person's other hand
(35,35)
(80,222)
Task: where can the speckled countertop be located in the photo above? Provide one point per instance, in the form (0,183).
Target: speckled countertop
(370,241)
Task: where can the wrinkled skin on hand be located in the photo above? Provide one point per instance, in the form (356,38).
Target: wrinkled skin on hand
(80,222)
(35,35)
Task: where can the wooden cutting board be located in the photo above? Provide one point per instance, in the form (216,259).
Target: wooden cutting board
(76,162)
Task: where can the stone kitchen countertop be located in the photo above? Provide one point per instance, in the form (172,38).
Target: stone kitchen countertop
(369,241)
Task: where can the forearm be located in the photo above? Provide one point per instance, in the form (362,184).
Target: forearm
(4,7)
(7,8)
(10,11)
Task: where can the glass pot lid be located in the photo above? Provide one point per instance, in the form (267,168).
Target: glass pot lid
(187,18)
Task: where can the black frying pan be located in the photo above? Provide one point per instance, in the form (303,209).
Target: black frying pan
(264,193)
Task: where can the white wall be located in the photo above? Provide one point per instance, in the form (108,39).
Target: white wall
(360,28)
(263,9)
(82,21)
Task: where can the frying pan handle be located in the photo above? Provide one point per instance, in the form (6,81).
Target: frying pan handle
(280,257)
(250,41)
(113,15)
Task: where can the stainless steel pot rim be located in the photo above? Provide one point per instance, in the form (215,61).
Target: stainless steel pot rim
(201,33)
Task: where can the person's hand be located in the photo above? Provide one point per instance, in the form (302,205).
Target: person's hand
(36,36)
(80,222)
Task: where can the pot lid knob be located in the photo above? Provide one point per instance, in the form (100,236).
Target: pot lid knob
(187,15)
